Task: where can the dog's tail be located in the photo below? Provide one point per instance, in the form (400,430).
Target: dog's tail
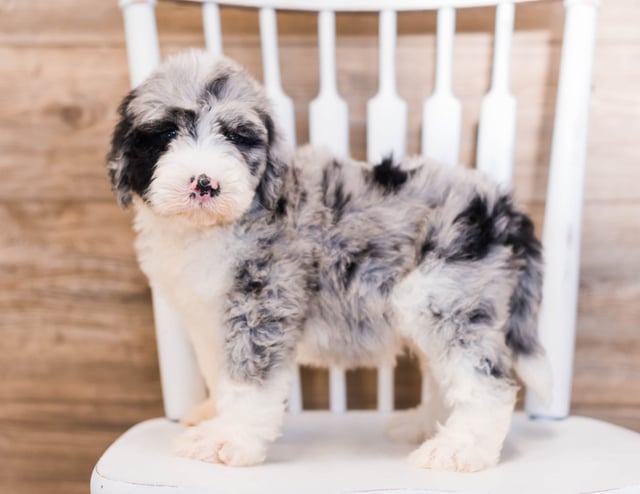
(535,372)
(531,362)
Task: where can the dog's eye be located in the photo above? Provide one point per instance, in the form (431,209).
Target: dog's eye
(243,137)
(170,133)
(166,134)
(240,139)
(155,137)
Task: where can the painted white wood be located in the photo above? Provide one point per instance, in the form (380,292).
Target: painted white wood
(442,112)
(497,127)
(563,215)
(295,397)
(212,27)
(386,111)
(282,104)
(141,33)
(328,113)
(322,453)
(361,5)
(182,383)
(337,390)
(385,389)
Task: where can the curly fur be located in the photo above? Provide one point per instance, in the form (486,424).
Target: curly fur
(307,258)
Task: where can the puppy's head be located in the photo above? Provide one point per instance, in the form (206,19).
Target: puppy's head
(197,141)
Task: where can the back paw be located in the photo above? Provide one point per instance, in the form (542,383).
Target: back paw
(446,453)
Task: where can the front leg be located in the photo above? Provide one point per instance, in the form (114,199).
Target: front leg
(250,417)
(265,310)
(204,329)
(202,411)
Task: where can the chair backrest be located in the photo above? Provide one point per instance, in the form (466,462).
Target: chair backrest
(386,132)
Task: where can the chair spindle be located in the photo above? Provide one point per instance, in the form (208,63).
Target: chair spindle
(328,113)
(497,134)
(282,104)
(563,212)
(385,389)
(337,390)
(386,111)
(212,28)
(143,48)
(442,112)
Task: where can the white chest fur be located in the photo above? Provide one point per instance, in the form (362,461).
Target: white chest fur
(191,267)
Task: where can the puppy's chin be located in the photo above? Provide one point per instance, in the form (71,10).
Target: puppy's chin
(201,212)
(206,217)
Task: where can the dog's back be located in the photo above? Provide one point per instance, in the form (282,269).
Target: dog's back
(371,227)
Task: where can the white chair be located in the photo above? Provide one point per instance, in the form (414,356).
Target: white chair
(334,451)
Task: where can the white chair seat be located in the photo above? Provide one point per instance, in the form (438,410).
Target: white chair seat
(329,454)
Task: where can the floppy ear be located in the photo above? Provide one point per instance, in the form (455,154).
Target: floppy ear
(269,189)
(117,157)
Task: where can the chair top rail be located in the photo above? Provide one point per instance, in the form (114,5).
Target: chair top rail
(353,5)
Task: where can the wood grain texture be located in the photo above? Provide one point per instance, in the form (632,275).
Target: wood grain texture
(78,360)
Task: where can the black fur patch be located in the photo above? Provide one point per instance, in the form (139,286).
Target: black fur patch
(251,276)
(428,245)
(350,270)
(281,207)
(269,190)
(476,232)
(120,142)
(312,281)
(269,125)
(141,147)
(481,228)
(489,368)
(527,252)
(334,196)
(389,177)
(360,262)
(519,233)
(519,344)
(325,186)
(340,200)
(245,136)
(183,119)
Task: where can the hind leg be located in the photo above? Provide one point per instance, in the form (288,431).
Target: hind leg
(421,422)
(455,315)
(481,407)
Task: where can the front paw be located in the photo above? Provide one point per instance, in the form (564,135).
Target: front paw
(450,454)
(201,412)
(221,441)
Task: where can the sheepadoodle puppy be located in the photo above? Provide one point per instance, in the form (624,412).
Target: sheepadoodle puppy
(273,258)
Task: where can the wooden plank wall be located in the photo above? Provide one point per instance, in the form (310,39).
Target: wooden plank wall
(77,356)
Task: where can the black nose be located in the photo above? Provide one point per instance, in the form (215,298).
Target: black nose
(204,183)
